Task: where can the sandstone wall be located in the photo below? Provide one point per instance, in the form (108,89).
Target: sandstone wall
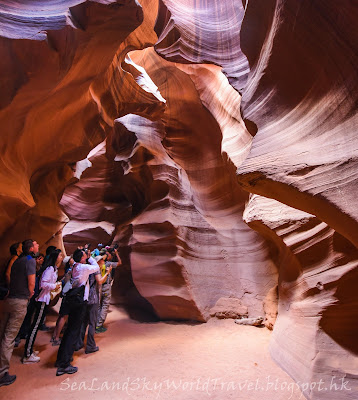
(55,60)
(228,98)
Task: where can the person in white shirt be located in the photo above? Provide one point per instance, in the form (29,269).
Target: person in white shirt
(48,282)
(77,307)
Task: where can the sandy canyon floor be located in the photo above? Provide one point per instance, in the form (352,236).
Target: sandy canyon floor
(164,360)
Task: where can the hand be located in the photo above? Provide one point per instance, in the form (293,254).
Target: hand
(118,258)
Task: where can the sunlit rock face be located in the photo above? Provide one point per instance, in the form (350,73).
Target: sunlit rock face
(204,31)
(302,96)
(173,153)
(189,245)
(317,295)
(300,104)
(55,60)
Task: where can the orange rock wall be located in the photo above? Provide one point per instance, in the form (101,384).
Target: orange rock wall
(230,98)
(55,59)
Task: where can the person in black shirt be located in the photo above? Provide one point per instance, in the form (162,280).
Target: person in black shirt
(13,308)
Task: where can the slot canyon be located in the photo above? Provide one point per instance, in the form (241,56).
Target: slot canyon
(216,143)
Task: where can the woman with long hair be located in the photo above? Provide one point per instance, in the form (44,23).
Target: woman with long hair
(48,283)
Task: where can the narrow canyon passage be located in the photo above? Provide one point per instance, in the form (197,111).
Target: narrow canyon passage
(163,360)
(214,144)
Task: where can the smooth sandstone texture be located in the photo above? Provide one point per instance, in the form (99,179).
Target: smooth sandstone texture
(301,95)
(299,103)
(189,244)
(167,183)
(204,31)
(179,262)
(55,60)
(317,299)
(301,99)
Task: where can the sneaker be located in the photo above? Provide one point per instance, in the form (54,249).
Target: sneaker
(56,342)
(68,370)
(36,352)
(31,359)
(7,379)
(100,329)
(88,351)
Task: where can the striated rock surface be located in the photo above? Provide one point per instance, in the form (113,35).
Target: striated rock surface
(174,181)
(179,261)
(302,96)
(54,59)
(175,250)
(170,146)
(202,32)
(317,296)
(300,104)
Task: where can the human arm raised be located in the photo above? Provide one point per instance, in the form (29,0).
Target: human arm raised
(100,280)
(118,258)
(92,266)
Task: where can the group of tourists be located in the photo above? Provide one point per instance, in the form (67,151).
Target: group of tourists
(31,284)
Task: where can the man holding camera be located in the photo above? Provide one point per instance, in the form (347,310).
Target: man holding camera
(77,299)
(106,289)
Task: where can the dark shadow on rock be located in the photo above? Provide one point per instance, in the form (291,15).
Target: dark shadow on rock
(339,321)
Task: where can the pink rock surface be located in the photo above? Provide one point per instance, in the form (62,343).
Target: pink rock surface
(176,152)
(228,307)
(192,32)
(301,95)
(317,297)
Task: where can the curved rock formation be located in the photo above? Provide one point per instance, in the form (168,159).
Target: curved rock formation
(302,96)
(55,59)
(300,104)
(175,253)
(317,296)
(174,145)
(202,32)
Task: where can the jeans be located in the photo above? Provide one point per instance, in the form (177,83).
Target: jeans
(12,314)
